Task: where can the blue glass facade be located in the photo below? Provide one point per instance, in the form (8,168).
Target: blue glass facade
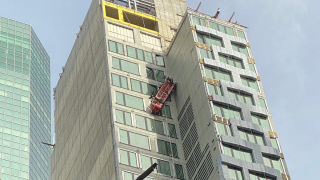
(24,103)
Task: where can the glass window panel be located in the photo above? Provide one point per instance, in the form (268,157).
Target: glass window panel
(195,20)
(115,80)
(124,137)
(124,83)
(133,159)
(238,64)
(152,90)
(251,138)
(120,48)
(262,103)
(140,122)
(200,38)
(160,60)
(140,54)
(229,31)
(164,167)
(208,72)
(119,98)
(221,129)
(162,147)
(241,34)
(119,116)
(148,57)
(149,124)
(127,117)
(260,140)
(129,67)
(115,63)
(227,151)
(135,85)
(248,100)
(124,157)
(202,22)
(265,124)
(160,76)
(150,74)
(139,140)
(134,102)
(221,28)
(266,161)
(127,176)
(179,171)
(232,174)
(131,52)
(251,67)
(174,150)
(277,165)
(159,127)
(217,110)
(232,95)
(144,88)
(239,174)
(203,53)
(274,143)
(112,46)
(213,25)
(244,51)
(172,130)
(145,162)
(243,135)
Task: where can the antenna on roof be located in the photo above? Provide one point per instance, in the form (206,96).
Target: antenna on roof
(198,7)
(231,16)
(217,13)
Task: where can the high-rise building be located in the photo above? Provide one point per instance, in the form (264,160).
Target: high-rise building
(216,125)
(25,103)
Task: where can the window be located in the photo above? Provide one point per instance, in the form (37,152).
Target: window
(224,129)
(241,34)
(252,68)
(274,143)
(205,53)
(231,61)
(166,112)
(172,130)
(253,137)
(214,89)
(140,21)
(260,176)
(240,48)
(144,88)
(262,103)
(239,96)
(128,158)
(123,117)
(125,66)
(150,73)
(250,83)
(237,152)
(134,139)
(132,176)
(179,171)
(155,75)
(119,81)
(235,173)
(272,162)
(130,101)
(221,28)
(198,21)
(160,76)
(139,54)
(218,74)
(209,40)
(167,148)
(261,120)
(116,47)
(160,60)
(163,166)
(149,124)
(227,112)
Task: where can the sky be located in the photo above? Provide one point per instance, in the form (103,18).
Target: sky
(284,38)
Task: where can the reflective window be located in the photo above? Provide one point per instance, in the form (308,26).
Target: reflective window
(252,68)
(160,60)
(260,176)
(274,143)
(241,34)
(210,40)
(206,53)
(261,120)
(179,171)
(250,83)
(134,139)
(143,87)
(130,101)
(167,148)
(139,54)
(273,162)
(238,153)
(226,111)
(198,21)
(163,166)
(240,48)
(125,66)
(116,47)
(172,130)
(123,117)
(149,124)
(119,81)
(166,112)
(224,129)
(217,73)
(262,103)
(128,158)
(231,61)
(253,137)
(235,173)
(240,96)
(214,89)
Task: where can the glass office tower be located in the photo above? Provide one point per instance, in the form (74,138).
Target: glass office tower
(24,103)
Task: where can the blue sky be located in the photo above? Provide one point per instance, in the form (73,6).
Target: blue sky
(284,39)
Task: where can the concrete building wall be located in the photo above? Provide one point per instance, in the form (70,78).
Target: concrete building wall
(82,121)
